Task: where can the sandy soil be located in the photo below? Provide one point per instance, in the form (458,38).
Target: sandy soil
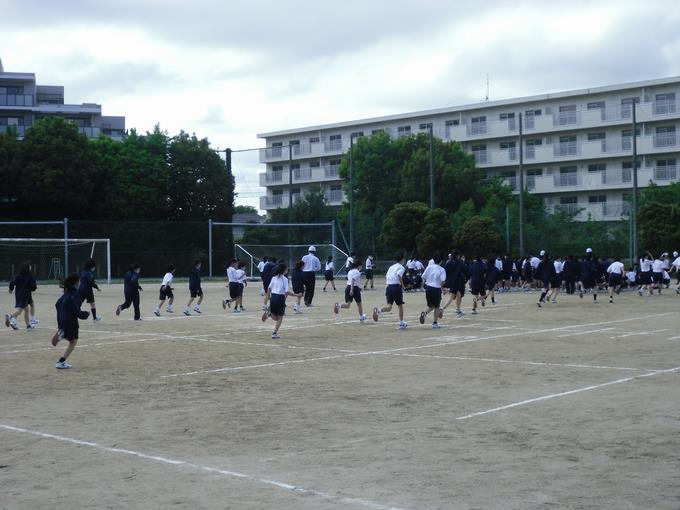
(207,412)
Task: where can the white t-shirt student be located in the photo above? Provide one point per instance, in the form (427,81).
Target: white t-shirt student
(240,276)
(657,266)
(645,265)
(260,265)
(231,274)
(330,266)
(369,263)
(632,276)
(279,285)
(418,265)
(434,276)
(394,273)
(676,264)
(167,280)
(354,278)
(350,262)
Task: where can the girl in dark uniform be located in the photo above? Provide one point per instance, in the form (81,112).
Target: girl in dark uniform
(68,313)
(87,284)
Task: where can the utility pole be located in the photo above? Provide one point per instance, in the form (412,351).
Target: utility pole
(290,203)
(431,166)
(522,251)
(351,193)
(633,214)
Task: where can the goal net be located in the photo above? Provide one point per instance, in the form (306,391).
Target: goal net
(252,254)
(47,256)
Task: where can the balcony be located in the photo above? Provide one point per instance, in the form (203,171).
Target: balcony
(90,132)
(20,130)
(482,157)
(333,146)
(566,208)
(562,149)
(665,139)
(665,107)
(562,180)
(511,182)
(334,197)
(570,118)
(16,100)
(614,177)
(665,173)
(300,175)
(279,200)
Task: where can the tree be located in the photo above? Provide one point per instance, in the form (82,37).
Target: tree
(479,236)
(403,224)
(436,234)
(659,227)
(245,209)
(58,174)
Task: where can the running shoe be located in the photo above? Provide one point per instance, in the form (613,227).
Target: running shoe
(62,365)
(435,326)
(336,307)
(403,325)
(157,313)
(118,309)
(422,318)
(375,314)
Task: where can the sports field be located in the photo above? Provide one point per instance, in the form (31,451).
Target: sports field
(571,406)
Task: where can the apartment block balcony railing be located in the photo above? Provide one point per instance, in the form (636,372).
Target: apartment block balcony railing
(481,157)
(334,197)
(566,179)
(624,176)
(16,100)
(665,173)
(565,149)
(665,140)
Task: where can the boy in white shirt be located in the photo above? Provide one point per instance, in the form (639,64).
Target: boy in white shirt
(277,291)
(433,278)
(394,292)
(352,292)
(166,292)
(615,271)
(260,267)
(369,271)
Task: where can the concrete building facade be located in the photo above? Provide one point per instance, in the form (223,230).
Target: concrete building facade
(23,102)
(577,145)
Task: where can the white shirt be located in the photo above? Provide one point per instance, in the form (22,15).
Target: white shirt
(354,278)
(350,261)
(411,264)
(240,275)
(645,265)
(535,261)
(418,265)
(167,280)
(676,264)
(615,268)
(430,262)
(434,276)
(260,266)
(631,276)
(666,276)
(369,263)
(559,266)
(311,263)
(231,274)
(329,266)
(499,264)
(657,266)
(279,285)
(395,272)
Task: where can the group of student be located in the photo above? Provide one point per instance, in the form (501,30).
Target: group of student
(484,276)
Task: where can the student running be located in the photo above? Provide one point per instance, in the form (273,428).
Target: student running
(131,288)
(23,285)
(394,292)
(615,272)
(277,291)
(352,291)
(195,290)
(87,284)
(68,313)
(329,274)
(165,291)
(434,277)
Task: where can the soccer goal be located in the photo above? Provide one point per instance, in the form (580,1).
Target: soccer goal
(252,254)
(47,256)
(281,241)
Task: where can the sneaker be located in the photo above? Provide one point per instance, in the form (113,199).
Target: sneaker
(580,294)
(30,327)
(375,314)
(493,301)
(483,303)
(298,311)
(264,308)
(35,321)
(474,312)
(236,310)
(187,312)
(118,309)
(13,323)
(539,304)
(460,313)
(265,314)
(435,326)
(243,309)
(275,336)
(156,312)
(336,307)
(58,335)
(224,304)
(262,292)
(422,318)
(362,318)
(169,310)
(139,319)
(62,364)
(611,300)
(97,318)
(440,314)
(403,325)
(7,320)
(197,309)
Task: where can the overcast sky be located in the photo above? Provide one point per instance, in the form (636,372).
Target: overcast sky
(228,70)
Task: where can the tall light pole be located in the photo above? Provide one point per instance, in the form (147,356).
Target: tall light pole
(633,214)
(521,189)
(431,166)
(351,192)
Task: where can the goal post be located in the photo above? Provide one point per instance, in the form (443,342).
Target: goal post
(288,235)
(46,254)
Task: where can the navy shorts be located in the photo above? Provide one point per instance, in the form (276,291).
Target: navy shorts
(615,280)
(197,292)
(356,297)
(277,305)
(394,294)
(645,278)
(235,290)
(164,293)
(433,296)
(23,303)
(657,277)
(556,282)
(71,334)
(298,288)
(369,274)
(477,290)
(329,275)
(86,295)
(588,283)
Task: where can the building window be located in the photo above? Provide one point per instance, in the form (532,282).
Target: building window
(314,164)
(335,143)
(453,122)
(403,130)
(357,134)
(567,115)
(596,105)
(664,103)
(314,139)
(566,146)
(569,204)
(276,149)
(377,131)
(627,106)
(480,153)
(424,126)
(511,148)
(596,136)
(597,199)
(598,167)
(665,136)
(568,176)
(477,125)
(665,170)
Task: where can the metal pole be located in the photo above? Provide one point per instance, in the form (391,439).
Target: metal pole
(290,203)
(210,249)
(633,214)
(351,193)
(507,229)
(108,261)
(522,247)
(65,248)
(431,166)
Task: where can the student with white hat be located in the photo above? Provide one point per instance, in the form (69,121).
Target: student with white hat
(311,264)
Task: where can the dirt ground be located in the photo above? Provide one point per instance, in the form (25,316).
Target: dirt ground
(574,405)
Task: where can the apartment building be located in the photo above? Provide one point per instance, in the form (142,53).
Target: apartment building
(23,101)
(577,145)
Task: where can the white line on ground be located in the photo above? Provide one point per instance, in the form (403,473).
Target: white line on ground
(636,333)
(565,393)
(295,489)
(576,333)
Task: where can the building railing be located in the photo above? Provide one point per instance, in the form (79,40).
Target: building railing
(616,177)
(333,146)
(567,179)
(334,196)
(19,130)
(565,149)
(481,157)
(664,107)
(16,100)
(332,171)
(566,118)
(665,139)
(665,173)
(476,128)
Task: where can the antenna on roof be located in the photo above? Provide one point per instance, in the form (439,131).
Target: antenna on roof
(486,98)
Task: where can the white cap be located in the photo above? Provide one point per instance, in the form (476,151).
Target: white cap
(675,253)
(542,253)
(312,248)
(589,250)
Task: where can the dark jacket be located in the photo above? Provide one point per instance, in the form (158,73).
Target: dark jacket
(87,282)
(132,282)
(24,283)
(195,279)
(68,311)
